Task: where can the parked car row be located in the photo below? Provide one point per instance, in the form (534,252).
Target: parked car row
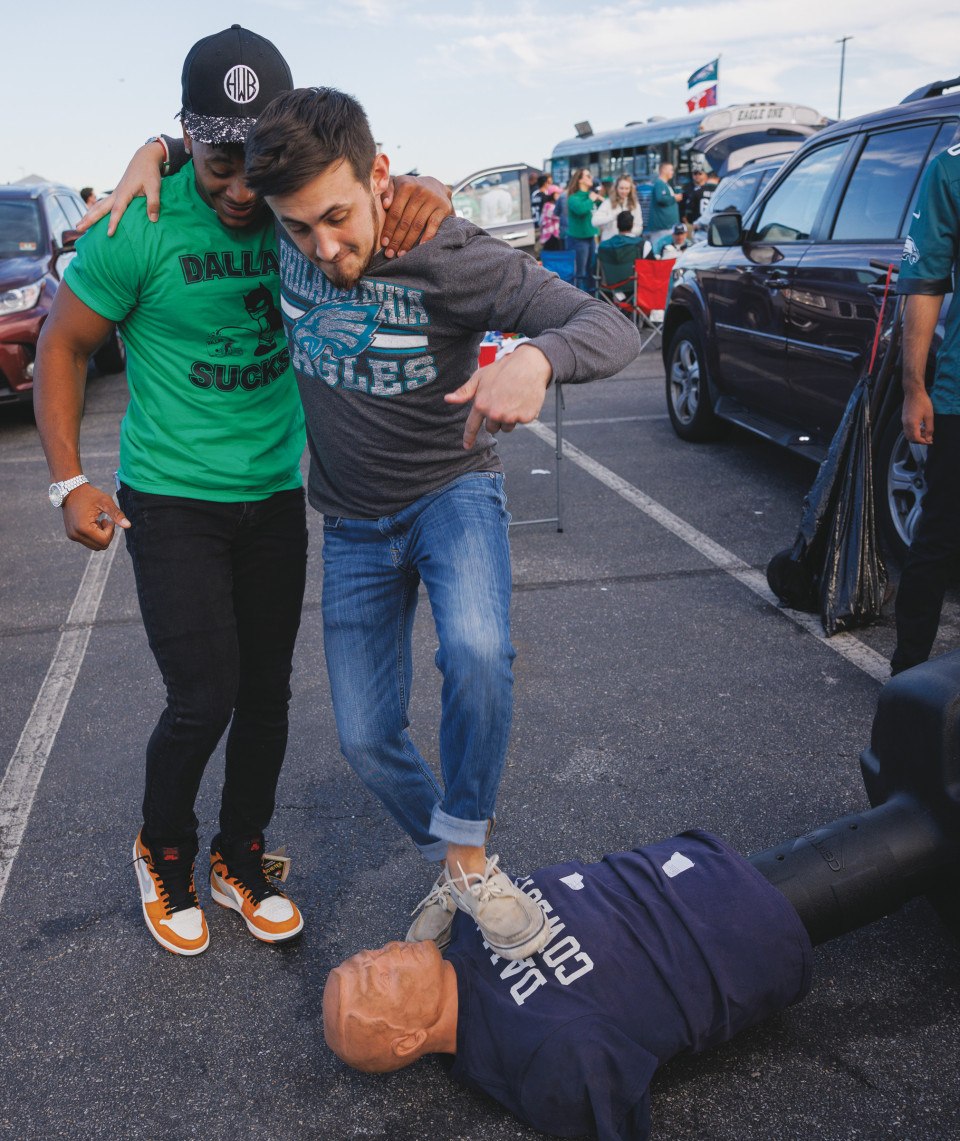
(770,323)
(37,234)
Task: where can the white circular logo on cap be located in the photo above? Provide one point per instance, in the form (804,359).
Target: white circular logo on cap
(241,84)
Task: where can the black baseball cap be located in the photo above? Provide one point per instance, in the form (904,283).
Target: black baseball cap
(228,79)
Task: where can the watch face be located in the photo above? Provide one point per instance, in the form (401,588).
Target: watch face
(56,495)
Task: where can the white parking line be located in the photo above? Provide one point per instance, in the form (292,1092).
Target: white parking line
(846,645)
(615,420)
(22,778)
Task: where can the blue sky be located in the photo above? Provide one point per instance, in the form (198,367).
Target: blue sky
(450,87)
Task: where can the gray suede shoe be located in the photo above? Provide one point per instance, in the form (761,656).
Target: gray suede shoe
(513,925)
(434,915)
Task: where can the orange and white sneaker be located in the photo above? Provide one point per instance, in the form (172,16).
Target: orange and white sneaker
(238,881)
(170,905)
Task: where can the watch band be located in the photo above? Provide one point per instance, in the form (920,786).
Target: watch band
(165,165)
(60,489)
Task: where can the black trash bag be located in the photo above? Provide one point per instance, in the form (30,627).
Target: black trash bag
(853,581)
(835,565)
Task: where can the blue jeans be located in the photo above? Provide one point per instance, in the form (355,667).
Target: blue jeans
(220,588)
(455,541)
(584,250)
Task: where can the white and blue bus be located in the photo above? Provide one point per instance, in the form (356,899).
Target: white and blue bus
(720,138)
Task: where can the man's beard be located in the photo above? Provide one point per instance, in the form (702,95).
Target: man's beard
(347,280)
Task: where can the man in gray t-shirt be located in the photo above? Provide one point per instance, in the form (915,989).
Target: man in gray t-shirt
(403,466)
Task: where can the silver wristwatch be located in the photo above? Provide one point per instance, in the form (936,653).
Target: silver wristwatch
(58,492)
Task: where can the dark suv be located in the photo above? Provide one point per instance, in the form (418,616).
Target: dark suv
(36,243)
(770,324)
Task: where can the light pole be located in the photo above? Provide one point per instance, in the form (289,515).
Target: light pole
(843,55)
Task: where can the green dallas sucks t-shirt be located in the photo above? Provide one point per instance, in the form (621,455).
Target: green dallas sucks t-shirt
(214,411)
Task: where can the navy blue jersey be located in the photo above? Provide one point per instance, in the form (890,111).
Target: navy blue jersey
(670,948)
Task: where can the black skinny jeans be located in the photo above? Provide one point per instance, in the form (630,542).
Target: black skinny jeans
(934,555)
(220,588)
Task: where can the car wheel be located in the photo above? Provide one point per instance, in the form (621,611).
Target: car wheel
(688,392)
(900,484)
(112,356)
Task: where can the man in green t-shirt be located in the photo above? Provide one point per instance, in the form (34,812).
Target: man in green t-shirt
(664,203)
(209,485)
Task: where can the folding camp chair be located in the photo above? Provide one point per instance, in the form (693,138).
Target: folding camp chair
(560,262)
(616,275)
(650,299)
(487,355)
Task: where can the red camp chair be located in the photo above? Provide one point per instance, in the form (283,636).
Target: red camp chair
(652,284)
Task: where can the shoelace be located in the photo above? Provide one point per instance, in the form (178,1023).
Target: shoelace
(479,885)
(176,896)
(247,873)
(439,893)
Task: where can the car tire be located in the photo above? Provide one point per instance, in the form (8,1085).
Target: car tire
(111,357)
(689,402)
(900,485)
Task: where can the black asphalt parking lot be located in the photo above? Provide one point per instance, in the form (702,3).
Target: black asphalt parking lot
(654,692)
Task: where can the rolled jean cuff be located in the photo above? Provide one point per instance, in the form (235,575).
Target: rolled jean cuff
(433,852)
(469,833)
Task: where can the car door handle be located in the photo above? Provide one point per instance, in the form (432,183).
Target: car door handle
(777,281)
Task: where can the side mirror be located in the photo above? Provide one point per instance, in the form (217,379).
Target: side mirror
(68,240)
(725,229)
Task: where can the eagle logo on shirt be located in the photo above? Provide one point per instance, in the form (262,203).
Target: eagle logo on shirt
(911,251)
(345,328)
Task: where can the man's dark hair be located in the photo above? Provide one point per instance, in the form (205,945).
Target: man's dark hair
(624,222)
(85,192)
(304,132)
(543,180)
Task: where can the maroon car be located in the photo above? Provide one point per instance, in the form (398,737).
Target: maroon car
(37,224)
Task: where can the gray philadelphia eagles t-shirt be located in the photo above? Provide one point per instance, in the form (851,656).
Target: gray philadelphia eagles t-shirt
(375,362)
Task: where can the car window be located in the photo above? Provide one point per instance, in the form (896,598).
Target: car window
(766,176)
(57,220)
(737,194)
(72,208)
(945,137)
(491,200)
(887,170)
(791,209)
(21,235)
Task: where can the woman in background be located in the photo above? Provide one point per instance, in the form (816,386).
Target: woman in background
(622,197)
(582,200)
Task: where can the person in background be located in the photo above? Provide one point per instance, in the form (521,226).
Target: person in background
(671,245)
(692,202)
(549,235)
(626,234)
(705,192)
(89,196)
(665,203)
(622,198)
(536,199)
(582,199)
